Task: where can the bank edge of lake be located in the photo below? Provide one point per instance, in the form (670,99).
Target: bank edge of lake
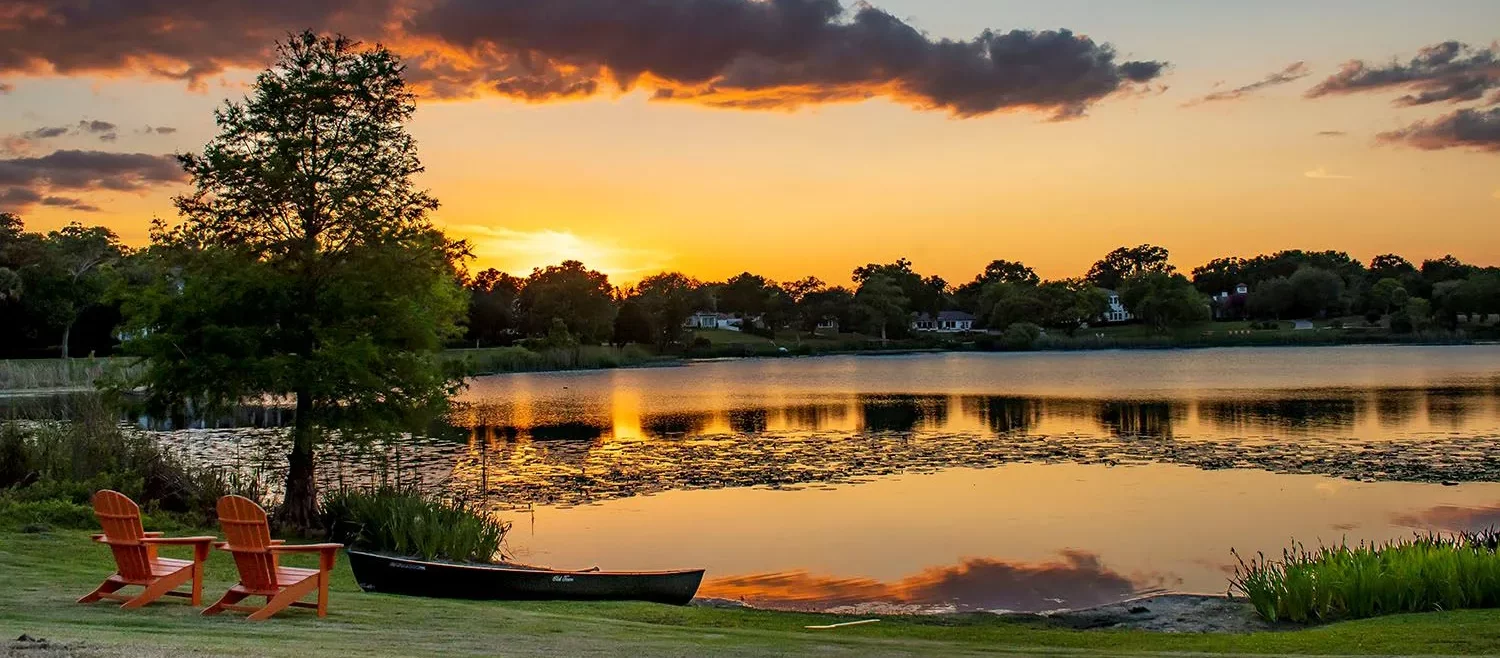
(474,363)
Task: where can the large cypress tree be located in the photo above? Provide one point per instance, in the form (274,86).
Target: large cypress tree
(305,267)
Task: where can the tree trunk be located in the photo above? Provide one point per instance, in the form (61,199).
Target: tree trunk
(299,510)
(67,332)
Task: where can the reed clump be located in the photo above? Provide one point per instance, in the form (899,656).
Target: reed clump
(403,521)
(1424,573)
(48,466)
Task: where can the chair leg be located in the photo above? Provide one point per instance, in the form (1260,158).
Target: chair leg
(109,586)
(158,588)
(197,597)
(231,597)
(284,599)
(323,578)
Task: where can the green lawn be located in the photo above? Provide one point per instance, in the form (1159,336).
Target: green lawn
(41,574)
(727,337)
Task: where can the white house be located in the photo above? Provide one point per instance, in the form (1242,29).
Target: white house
(702,320)
(712,320)
(946,322)
(1116,311)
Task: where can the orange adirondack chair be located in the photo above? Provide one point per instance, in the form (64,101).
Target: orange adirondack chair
(135,556)
(255,554)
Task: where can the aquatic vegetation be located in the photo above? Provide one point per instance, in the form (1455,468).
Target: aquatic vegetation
(1425,573)
(68,461)
(493,360)
(406,522)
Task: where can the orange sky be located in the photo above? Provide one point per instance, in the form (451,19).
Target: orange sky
(632,187)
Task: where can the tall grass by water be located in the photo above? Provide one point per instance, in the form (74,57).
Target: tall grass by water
(494,360)
(49,471)
(1423,574)
(27,374)
(406,522)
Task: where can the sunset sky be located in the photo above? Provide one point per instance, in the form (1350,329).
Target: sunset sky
(788,138)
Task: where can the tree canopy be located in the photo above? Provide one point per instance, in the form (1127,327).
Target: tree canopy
(305,266)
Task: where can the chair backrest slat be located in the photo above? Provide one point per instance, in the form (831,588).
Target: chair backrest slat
(120,518)
(248,534)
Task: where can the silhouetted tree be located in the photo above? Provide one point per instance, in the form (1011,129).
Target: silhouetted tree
(1128,262)
(306,265)
(582,298)
(1164,300)
(669,299)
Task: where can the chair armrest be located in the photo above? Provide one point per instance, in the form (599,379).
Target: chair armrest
(152,534)
(178,541)
(304,548)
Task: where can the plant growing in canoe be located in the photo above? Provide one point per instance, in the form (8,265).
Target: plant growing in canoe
(403,521)
(1423,574)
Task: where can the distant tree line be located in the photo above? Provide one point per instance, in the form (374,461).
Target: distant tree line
(59,294)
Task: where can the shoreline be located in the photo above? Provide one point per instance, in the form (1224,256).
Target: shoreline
(677,361)
(1167,612)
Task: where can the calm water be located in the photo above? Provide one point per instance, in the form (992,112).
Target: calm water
(961,481)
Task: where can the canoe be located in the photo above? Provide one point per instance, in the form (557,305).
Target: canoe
(504,582)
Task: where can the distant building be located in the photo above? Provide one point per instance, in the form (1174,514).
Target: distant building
(1231,306)
(702,320)
(946,322)
(712,320)
(828,323)
(1116,311)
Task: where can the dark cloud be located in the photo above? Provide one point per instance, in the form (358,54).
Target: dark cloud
(726,53)
(67,202)
(1464,128)
(1293,72)
(47,132)
(1331,133)
(186,40)
(30,180)
(760,54)
(1077,580)
(159,130)
(96,127)
(1450,71)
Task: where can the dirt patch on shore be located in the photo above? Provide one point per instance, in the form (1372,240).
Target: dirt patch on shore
(1167,613)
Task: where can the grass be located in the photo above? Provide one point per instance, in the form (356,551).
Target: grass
(45,571)
(404,522)
(32,374)
(1425,573)
(493,360)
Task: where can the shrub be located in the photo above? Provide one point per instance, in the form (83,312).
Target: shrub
(405,522)
(1423,574)
(68,461)
(1020,336)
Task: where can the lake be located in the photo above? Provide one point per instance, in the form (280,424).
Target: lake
(959,481)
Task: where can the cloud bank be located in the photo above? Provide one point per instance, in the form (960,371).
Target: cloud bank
(1450,71)
(749,54)
(30,181)
(1293,72)
(1466,128)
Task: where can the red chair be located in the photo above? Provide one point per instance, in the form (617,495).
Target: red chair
(135,556)
(255,555)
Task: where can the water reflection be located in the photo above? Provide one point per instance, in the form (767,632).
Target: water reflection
(1078,579)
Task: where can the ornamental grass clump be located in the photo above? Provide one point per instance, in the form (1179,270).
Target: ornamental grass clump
(405,522)
(1422,574)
